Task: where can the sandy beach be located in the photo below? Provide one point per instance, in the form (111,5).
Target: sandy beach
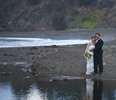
(49,61)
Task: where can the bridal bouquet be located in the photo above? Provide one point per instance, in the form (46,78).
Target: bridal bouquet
(87,55)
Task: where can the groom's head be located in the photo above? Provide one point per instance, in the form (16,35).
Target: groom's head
(97,35)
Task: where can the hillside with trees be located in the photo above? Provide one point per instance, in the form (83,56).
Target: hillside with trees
(36,15)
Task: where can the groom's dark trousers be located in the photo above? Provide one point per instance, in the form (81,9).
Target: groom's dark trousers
(98,56)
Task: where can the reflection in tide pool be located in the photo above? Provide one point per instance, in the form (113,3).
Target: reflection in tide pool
(34,94)
(89,87)
(31,89)
(19,88)
(6,92)
(94,89)
(26,42)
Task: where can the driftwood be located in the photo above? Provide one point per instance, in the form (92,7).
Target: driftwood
(6,73)
(65,78)
(52,46)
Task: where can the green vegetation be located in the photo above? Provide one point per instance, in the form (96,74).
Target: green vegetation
(110,27)
(87,22)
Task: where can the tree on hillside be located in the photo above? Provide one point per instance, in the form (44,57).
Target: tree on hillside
(58,22)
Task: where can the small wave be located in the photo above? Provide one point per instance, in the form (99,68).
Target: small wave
(6,42)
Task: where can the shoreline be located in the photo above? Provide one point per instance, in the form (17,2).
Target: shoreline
(71,34)
(49,61)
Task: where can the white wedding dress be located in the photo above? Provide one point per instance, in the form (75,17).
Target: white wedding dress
(90,65)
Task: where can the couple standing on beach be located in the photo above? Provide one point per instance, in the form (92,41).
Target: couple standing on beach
(94,55)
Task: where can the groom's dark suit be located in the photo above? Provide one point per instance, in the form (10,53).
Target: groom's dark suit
(98,56)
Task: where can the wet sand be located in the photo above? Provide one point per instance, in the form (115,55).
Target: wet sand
(49,61)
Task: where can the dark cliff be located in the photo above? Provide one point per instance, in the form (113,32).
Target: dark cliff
(35,15)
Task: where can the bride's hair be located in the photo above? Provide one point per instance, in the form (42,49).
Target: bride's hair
(92,37)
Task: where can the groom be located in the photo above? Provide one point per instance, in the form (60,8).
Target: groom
(98,55)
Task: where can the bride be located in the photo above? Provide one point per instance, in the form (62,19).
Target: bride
(90,66)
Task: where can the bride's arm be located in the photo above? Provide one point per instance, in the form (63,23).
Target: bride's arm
(86,50)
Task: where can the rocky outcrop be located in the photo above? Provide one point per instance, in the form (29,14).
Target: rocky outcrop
(35,15)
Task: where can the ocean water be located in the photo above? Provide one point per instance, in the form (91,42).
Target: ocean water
(6,42)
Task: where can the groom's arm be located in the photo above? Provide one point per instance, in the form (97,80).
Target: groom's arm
(98,46)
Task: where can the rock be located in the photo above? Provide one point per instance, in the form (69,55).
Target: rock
(34,73)
(43,29)
(27,77)
(52,46)
(33,48)
(31,53)
(8,55)
(1,29)
(69,19)
(6,73)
